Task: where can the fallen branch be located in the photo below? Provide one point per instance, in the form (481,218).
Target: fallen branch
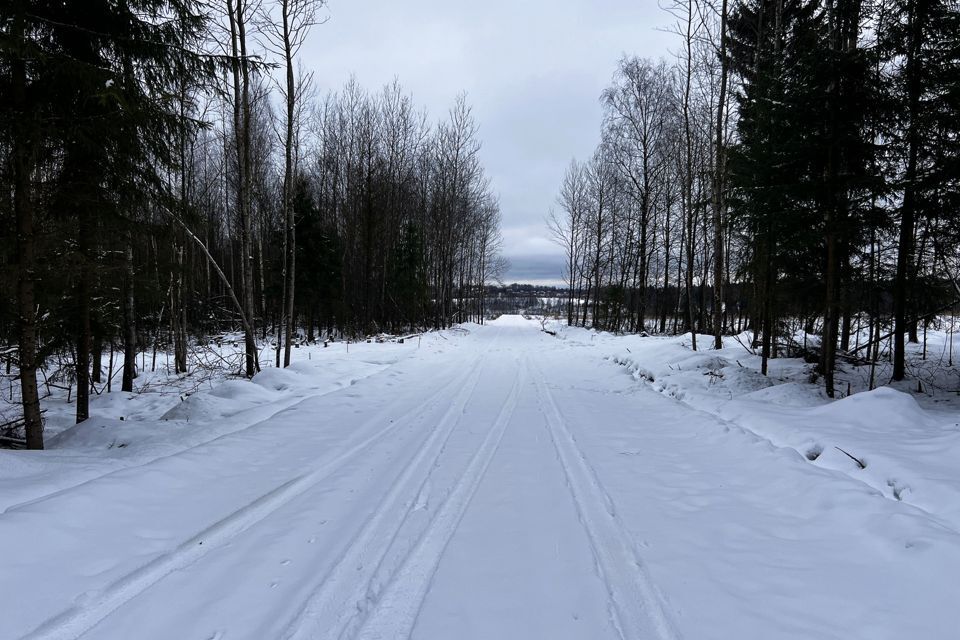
(916,318)
(859,462)
(740,342)
(13,443)
(247,328)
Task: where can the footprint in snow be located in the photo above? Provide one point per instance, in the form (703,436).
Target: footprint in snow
(897,489)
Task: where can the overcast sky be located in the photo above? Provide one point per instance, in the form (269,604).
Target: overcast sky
(533,71)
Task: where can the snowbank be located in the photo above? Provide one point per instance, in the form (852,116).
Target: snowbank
(167,413)
(884,438)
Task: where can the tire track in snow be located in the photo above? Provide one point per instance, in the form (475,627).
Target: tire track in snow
(636,606)
(91,608)
(396,610)
(349,587)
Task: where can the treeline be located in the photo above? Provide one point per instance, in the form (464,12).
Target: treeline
(404,218)
(169,172)
(797,160)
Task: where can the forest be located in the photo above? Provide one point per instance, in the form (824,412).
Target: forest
(171,174)
(793,170)
(267,371)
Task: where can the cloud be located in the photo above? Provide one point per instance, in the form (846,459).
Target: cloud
(529,240)
(532,69)
(535,269)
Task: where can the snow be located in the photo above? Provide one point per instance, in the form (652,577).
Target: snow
(491,482)
(909,451)
(167,414)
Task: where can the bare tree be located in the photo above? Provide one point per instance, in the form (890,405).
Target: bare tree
(287,25)
(239,13)
(567,231)
(717,192)
(637,110)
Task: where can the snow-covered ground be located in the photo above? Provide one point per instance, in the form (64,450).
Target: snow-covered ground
(168,413)
(903,443)
(491,483)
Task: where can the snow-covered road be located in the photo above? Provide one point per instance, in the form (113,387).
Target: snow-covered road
(510,486)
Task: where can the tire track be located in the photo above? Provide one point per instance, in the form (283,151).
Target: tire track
(92,608)
(636,606)
(347,584)
(395,612)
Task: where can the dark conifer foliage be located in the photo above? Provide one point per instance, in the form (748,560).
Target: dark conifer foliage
(148,205)
(919,38)
(87,134)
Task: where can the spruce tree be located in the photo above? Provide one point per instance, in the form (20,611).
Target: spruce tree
(920,41)
(95,97)
(773,47)
(846,153)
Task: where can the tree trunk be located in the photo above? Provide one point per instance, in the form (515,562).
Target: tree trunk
(828,347)
(96,368)
(288,181)
(241,116)
(664,305)
(24,145)
(129,319)
(718,182)
(908,207)
(85,239)
(690,219)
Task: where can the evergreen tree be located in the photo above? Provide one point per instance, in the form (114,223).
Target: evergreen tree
(920,41)
(846,153)
(773,48)
(116,64)
(89,82)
